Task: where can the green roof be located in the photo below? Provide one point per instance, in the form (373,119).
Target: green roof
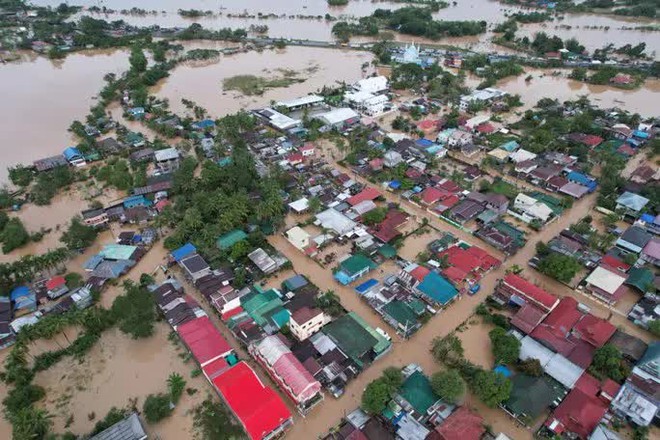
(387,251)
(351,336)
(640,278)
(356,264)
(553,202)
(401,312)
(516,234)
(612,145)
(531,396)
(279,315)
(417,306)
(383,344)
(117,252)
(417,391)
(261,306)
(229,239)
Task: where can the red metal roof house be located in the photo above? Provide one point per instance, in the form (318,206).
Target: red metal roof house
(204,340)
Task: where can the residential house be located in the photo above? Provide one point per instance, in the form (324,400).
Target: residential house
(129,428)
(651,252)
(437,290)
(195,266)
(95,217)
(645,174)
(462,424)
(631,204)
(306,321)
(56,287)
(167,160)
(226,241)
(528,209)
(266,263)
(50,163)
(634,239)
(353,268)
(74,157)
(606,284)
(502,236)
(340,118)
(415,396)
(392,158)
(534,302)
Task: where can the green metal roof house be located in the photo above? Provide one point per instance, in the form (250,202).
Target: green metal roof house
(640,278)
(417,395)
(226,241)
(359,341)
(353,268)
(402,317)
(531,396)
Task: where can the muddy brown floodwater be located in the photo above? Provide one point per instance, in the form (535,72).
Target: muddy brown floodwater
(203,84)
(40,99)
(607,27)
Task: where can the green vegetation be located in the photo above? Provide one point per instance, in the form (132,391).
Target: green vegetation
(212,421)
(115,173)
(48,184)
(531,17)
(330,304)
(491,388)
(506,347)
(13,274)
(381,390)
(654,327)
(79,235)
(256,85)
(374,216)
(114,416)
(156,407)
(448,385)
(531,367)
(608,362)
(202,54)
(135,311)
(337,2)
(13,235)
(563,268)
(20,175)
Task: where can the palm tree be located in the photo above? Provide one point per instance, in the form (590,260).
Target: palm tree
(31,422)
(175,383)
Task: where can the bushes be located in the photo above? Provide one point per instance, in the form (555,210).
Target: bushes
(448,385)
(608,362)
(506,348)
(381,390)
(213,422)
(531,367)
(491,388)
(78,236)
(156,407)
(49,183)
(13,235)
(560,267)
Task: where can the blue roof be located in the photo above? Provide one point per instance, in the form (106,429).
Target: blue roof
(437,288)
(19,292)
(434,149)
(295,282)
(362,288)
(343,278)
(93,262)
(580,178)
(225,161)
(395,184)
(72,153)
(647,218)
(510,146)
(183,251)
(206,123)
(424,142)
(133,201)
(641,134)
(136,111)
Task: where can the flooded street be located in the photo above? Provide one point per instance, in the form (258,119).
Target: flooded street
(41,98)
(203,84)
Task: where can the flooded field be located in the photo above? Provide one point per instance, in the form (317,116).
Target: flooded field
(40,99)
(115,371)
(203,84)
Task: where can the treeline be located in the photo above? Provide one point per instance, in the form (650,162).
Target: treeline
(408,20)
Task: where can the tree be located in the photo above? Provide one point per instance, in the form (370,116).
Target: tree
(654,327)
(608,361)
(20,175)
(506,348)
(30,423)
(14,235)
(447,349)
(491,388)
(175,384)
(374,216)
(79,235)
(531,367)
(135,310)
(375,396)
(73,280)
(213,422)
(156,407)
(560,267)
(448,385)
(393,378)
(137,59)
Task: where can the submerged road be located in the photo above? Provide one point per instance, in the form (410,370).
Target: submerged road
(417,348)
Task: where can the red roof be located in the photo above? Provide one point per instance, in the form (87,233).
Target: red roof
(204,340)
(214,368)
(613,262)
(487,260)
(233,312)
(161,204)
(531,291)
(455,275)
(594,330)
(449,186)
(307,147)
(295,158)
(419,273)
(259,408)
(471,259)
(368,193)
(55,283)
(485,128)
(462,424)
(431,195)
(427,124)
(584,407)
(527,317)
(376,163)
(413,173)
(627,150)
(386,230)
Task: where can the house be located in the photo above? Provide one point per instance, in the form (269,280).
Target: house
(437,290)
(521,155)
(56,287)
(388,229)
(495,202)
(306,321)
(195,266)
(631,204)
(354,337)
(258,408)
(516,290)
(502,236)
(288,372)
(631,347)
(634,239)
(532,396)
(276,119)
(651,252)
(204,341)
(340,118)
(572,333)
(638,399)
(299,238)
(485,96)
(307,150)
(167,160)
(353,268)
(135,139)
(392,158)
(462,424)
(203,125)
(606,284)
(374,84)
(263,261)
(499,155)
(582,179)
(129,428)
(416,396)
(335,221)
(367,103)
(110,146)
(622,79)
(74,157)
(466,210)
(528,209)
(581,411)
(644,174)
(299,206)
(369,193)
(50,163)
(459,138)
(95,217)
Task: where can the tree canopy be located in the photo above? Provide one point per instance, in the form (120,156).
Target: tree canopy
(79,235)
(491,388)
(135,310)
(506,348)
(448,385)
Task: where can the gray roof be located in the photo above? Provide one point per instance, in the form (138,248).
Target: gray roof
(636,236)
(555,365)
(128,429)
(632,201)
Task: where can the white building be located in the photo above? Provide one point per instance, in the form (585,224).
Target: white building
(486,96)
(298,237)
(529,209)
(374,85)
(167,160)
(277,119)
(306,321)
(367,103)
(340,117)
(302,102)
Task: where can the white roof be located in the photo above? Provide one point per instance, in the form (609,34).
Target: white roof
(554,364)
(477,120)
(303,100)
(521,155)
(605,280)
(336,221)
(279,120)
(299,205)
(499,153)
(338,115)
(372,85)
(364,207)
(271,348)
(358,97)
(298,236)
(166,154)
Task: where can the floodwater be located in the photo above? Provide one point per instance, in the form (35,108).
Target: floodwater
(116,370)
(543,84)
(203,84)
(41,98)
(594,31)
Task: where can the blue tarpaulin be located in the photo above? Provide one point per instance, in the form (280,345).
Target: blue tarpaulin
(183,251)
(395,184)
(364,287)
